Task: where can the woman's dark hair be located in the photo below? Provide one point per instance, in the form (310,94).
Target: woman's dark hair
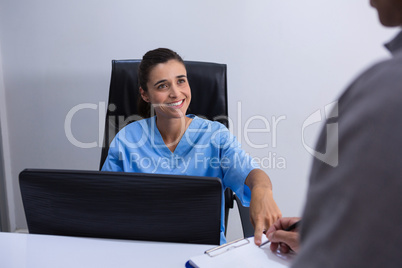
(149,61)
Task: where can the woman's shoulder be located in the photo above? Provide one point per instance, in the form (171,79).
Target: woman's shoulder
(136,127)
(215,131)
(203,123)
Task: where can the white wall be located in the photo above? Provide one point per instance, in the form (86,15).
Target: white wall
(285,58)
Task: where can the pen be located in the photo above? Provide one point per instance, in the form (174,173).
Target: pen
(290,228)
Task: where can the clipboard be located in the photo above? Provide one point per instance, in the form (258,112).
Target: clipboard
(241,253)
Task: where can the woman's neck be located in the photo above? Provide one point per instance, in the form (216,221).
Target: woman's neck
(172,130)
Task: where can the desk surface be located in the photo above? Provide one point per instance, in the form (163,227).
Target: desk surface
(42,251)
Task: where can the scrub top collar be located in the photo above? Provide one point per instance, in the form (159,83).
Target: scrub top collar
(160,144)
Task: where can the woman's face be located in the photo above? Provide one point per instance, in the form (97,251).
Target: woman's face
(168,89)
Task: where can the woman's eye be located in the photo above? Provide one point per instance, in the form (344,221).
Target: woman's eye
(161,86)
(181,81)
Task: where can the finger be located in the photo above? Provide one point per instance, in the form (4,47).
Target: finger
(273,219)
(284,223)
(274,246)
(291,221)
(269,221)
(284,248)
(271,229)
(258,234)
(281,236)
(279,224)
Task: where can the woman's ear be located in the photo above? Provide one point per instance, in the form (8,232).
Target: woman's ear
(144,95)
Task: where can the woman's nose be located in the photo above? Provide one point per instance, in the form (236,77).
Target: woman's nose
(174,91)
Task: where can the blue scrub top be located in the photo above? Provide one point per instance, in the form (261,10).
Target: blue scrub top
(207,148)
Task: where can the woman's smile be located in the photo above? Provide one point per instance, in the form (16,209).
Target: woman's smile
(176,105)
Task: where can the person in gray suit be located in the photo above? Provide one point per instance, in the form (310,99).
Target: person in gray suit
(353,212)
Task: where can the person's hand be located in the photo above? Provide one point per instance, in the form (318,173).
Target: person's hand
(263,212)
(286,241)
(263,209)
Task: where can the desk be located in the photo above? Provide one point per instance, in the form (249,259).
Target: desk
(46,251)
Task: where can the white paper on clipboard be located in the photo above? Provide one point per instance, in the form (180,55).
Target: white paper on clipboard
(242,253)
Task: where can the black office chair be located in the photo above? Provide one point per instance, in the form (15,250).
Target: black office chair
(209,100)
(248,228)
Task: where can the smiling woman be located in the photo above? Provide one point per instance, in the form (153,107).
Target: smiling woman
(176,143)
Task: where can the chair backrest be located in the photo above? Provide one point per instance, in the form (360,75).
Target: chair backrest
(120,205)
(208,89)
(244,212)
